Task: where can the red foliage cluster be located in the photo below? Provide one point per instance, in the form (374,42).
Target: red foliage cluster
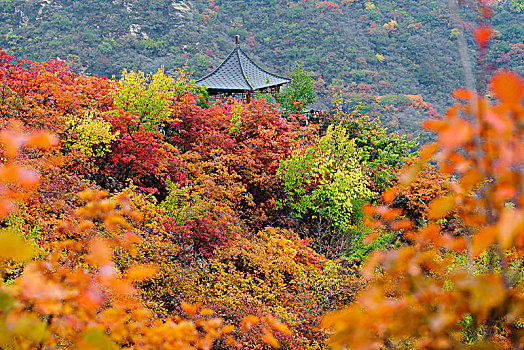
(328,5)
(44,95)
(141,155)
(202,237)
(252,146)
(517,50)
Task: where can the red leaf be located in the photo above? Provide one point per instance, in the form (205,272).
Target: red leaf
(508,87)
(483,35)
(463,94)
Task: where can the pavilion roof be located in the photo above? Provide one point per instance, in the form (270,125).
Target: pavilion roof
(239,73)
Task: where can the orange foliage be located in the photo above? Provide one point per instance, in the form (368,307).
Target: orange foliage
(276,273)
(418,102)
(76,296)
(46,95)
(423,299)
(428,185)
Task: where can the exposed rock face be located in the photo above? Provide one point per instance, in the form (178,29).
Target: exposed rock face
(136,31)
(182,6)
(43,4)
(127,4)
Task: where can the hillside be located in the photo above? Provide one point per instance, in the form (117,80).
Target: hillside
(358,49)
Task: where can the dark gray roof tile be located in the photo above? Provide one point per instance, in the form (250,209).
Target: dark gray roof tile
(240,73)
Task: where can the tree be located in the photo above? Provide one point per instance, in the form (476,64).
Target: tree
(299,93)
(325,188)
(381,152)
(148,97)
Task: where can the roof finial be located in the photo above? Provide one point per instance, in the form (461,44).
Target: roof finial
(237,41)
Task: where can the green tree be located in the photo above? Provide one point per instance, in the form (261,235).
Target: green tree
(299,93)
(380,152)
(325,189)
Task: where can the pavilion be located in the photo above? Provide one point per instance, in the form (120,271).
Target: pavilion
(239,75)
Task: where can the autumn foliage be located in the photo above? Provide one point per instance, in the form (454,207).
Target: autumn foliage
(119,224)
(136,213)
(437,292)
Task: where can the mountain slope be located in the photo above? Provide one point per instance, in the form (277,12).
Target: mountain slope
(356,48)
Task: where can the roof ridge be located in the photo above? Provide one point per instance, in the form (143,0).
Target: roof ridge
(262,69)
(237,49)
(217,68)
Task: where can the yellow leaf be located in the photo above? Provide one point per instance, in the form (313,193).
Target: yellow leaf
(486,292)
(269,338)
(427,151)
(85,225)
(95,339)
(18,175)
(87,195)
(471,179)
(139,273)
(508,87)
(511,223)
(434,124)
(402,224)
(463,94)
(114,221)
(99,252)
(11,142)
(392,214)
(389,195)
(248,322)
(30,328)
(441,320)
(440,207)
(13,247)
(483,239)
(206,312)
(42,140)
(278,326)
(410,174)
(190,309)
(228,329)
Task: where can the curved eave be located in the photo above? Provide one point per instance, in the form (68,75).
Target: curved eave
(239,91)
(273,85)
(234,91)
(286,80)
